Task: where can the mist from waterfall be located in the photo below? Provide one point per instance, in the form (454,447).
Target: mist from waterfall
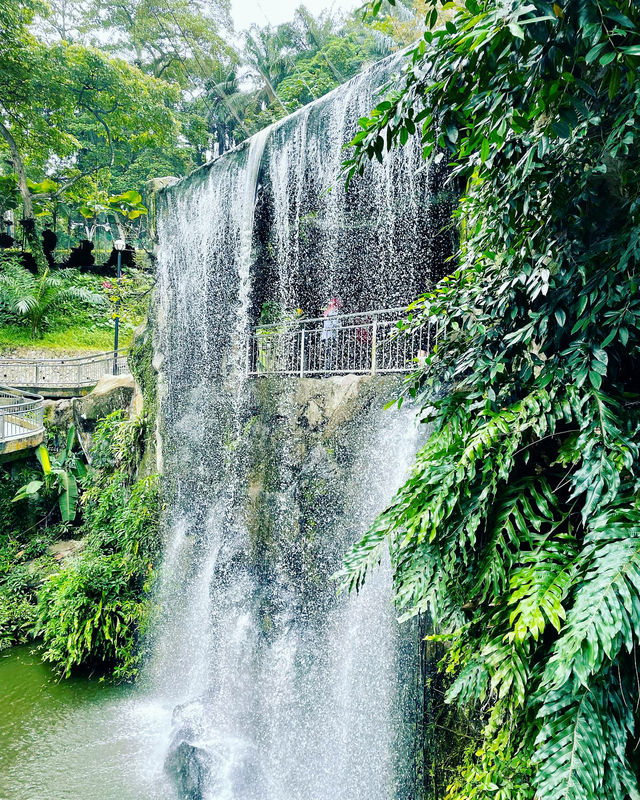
(308,708)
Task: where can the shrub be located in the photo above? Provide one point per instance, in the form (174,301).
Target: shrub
(18,596)
(91,613)
(32,299)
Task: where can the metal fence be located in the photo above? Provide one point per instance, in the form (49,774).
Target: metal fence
(368,342)
(21,414)
(62,372)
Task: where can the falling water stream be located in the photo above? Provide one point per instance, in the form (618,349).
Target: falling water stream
(261,684)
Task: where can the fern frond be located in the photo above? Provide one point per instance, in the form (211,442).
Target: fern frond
(539,587)
(605,614)
(581,748)
(521,510)
(571,749)
(82,294)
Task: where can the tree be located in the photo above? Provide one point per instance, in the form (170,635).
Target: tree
(519,526)
(183,42)
(298,62)
(171,39)
(22,64)
(52,96)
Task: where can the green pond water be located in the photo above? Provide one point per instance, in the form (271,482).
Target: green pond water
(76,739)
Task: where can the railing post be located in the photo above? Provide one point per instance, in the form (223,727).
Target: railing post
(37,374)
(374,344)
(302,353)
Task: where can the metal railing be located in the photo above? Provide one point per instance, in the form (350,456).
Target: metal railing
(21,414)
(62,372)
(369,343)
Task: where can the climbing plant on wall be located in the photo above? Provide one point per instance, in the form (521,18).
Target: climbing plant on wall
(519,526)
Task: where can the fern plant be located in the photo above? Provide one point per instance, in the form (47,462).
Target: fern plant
(518,528)
(34,298)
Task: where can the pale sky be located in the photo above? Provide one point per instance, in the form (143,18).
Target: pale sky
(247,12)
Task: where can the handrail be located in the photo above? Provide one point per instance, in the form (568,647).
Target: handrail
(364,342)
(21,414)
(77,371)
(399,313)
(72,359)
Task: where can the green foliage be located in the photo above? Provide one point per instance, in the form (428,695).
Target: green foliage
(33,299)
(91,613)
(67,111)
(297,62)
(77,326)
(17,604)
(23,544)
(116,446)
(62,474)
(128,205)
(9,194)
(519,526)
(493,773)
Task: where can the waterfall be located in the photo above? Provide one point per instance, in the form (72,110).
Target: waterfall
(263,683)
(206,295)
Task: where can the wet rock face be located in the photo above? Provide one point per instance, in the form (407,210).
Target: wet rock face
(203,765)
(301,441)
(112,393)
(188,766)
(188,763)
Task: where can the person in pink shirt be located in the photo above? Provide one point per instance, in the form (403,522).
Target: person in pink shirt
(329,335)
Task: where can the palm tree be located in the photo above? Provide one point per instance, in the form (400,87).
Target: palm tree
(32,297)
(269,54)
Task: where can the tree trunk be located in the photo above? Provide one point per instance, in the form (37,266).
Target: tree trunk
(29,219)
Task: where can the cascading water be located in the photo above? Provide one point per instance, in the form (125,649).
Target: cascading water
(279,691)
(207,294)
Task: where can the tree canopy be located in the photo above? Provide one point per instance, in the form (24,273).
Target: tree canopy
(518,529)
(97,97)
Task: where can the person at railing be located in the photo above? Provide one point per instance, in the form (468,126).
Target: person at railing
(329,335)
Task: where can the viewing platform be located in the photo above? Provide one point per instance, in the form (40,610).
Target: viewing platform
(364,343)
(62,377)
(21,421)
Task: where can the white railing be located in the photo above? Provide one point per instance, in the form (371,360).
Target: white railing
(21,414)
(369,342)
(62,372)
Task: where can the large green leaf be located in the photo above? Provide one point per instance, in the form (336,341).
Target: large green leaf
(42,454)
(28,490)
(68,498)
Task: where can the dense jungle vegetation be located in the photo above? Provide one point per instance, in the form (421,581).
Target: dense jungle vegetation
(518,529)
(89,610)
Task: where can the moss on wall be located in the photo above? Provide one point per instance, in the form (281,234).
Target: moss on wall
(140,361)
(300,444)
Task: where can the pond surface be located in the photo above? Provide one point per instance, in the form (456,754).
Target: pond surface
(76,739)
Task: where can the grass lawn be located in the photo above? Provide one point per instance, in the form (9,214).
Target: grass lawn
(62,339)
